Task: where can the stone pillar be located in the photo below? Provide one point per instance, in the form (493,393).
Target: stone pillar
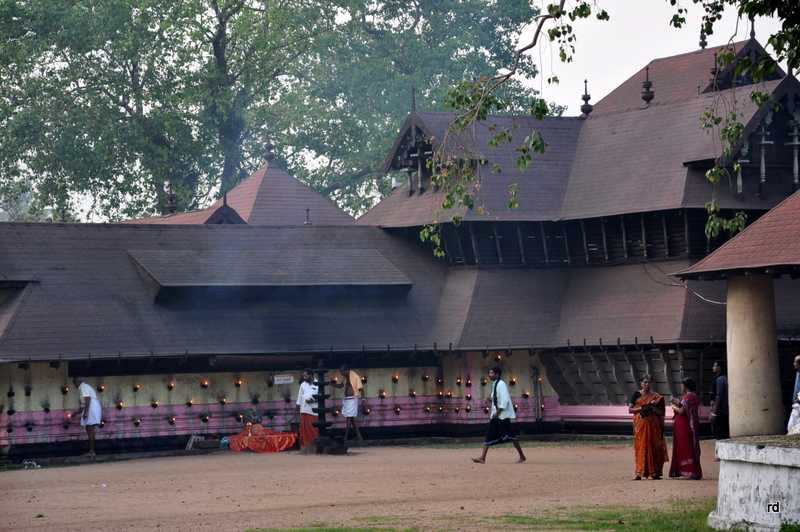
(754,391)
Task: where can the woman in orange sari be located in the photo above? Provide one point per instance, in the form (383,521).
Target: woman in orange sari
(648,432)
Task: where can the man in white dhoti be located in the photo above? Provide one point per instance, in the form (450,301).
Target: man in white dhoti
(351,382)
(500,429)
(91,411)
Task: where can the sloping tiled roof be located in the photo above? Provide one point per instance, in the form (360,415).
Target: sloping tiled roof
(772,241)
(276,266)
(540,186)
(91,299)
(634,161)
(87,297)
(675,78)
(623,158)
(269,196)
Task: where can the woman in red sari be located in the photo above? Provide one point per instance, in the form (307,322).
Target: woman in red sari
(648,431)
(685,434)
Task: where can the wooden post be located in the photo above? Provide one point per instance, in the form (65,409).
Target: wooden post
(647,365)
(624,236)
(520,243)
(447,254)
(458,241)
(585,246)
(668,372)
(605,241)
(497,243)
(474,244)
(686,232)
(544,243)
(666,236)
(566,242)
(644,236)
(700,371)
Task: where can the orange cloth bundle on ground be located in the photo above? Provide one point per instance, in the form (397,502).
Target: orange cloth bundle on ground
(260,439)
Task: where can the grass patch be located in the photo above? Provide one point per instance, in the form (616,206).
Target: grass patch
(681,517)
(331,529)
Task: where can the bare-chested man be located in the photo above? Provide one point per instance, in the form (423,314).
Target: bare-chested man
(351,382)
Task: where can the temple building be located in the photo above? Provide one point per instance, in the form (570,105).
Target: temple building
(184,321)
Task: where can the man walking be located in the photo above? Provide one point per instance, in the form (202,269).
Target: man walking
(500,427)
(91,412)
(719,402)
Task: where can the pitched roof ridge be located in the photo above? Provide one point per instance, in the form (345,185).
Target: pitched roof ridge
(737,45)
(692,98)
(284,174)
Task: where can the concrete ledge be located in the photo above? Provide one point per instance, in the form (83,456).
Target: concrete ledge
(758,453)
(758,483)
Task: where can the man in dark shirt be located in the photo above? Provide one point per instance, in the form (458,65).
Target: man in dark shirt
(719,401)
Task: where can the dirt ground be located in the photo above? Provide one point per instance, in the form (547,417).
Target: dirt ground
(426,487)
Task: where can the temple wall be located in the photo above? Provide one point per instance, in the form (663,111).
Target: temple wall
(38,399)
(547,386)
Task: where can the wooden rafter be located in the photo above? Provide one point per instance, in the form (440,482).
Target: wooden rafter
(544,243)
(520,243)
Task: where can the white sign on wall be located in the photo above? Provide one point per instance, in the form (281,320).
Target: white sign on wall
(283,379)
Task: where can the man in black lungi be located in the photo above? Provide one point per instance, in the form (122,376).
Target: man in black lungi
(501,429)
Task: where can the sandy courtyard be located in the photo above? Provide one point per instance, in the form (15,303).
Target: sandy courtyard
(418,486)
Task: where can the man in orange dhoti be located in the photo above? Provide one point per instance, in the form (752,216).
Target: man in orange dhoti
(648,430)
(306,403)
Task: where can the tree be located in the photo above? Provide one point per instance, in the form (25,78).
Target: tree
(108,100)
(358,89)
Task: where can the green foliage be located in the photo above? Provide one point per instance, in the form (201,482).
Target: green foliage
(716,222)
(107,100)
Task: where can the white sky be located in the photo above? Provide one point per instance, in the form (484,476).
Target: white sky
(608,53)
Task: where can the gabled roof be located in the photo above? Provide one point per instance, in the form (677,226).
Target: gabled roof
(771,243)
(637,160)
(269,196)
(675,78)
(540,186)
(624,157)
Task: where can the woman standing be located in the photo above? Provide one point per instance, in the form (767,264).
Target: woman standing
(686,436)
(648,431)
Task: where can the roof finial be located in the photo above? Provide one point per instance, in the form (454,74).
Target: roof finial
(752,26)
(269,153)
(308,217)
(171,198)
(586,108)
(225,198)
(413,99)
(647,85)
(703,41)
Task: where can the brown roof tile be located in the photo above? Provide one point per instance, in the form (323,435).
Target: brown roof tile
(269,196)
(623,158)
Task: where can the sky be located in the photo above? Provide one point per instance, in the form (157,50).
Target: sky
(608,53)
